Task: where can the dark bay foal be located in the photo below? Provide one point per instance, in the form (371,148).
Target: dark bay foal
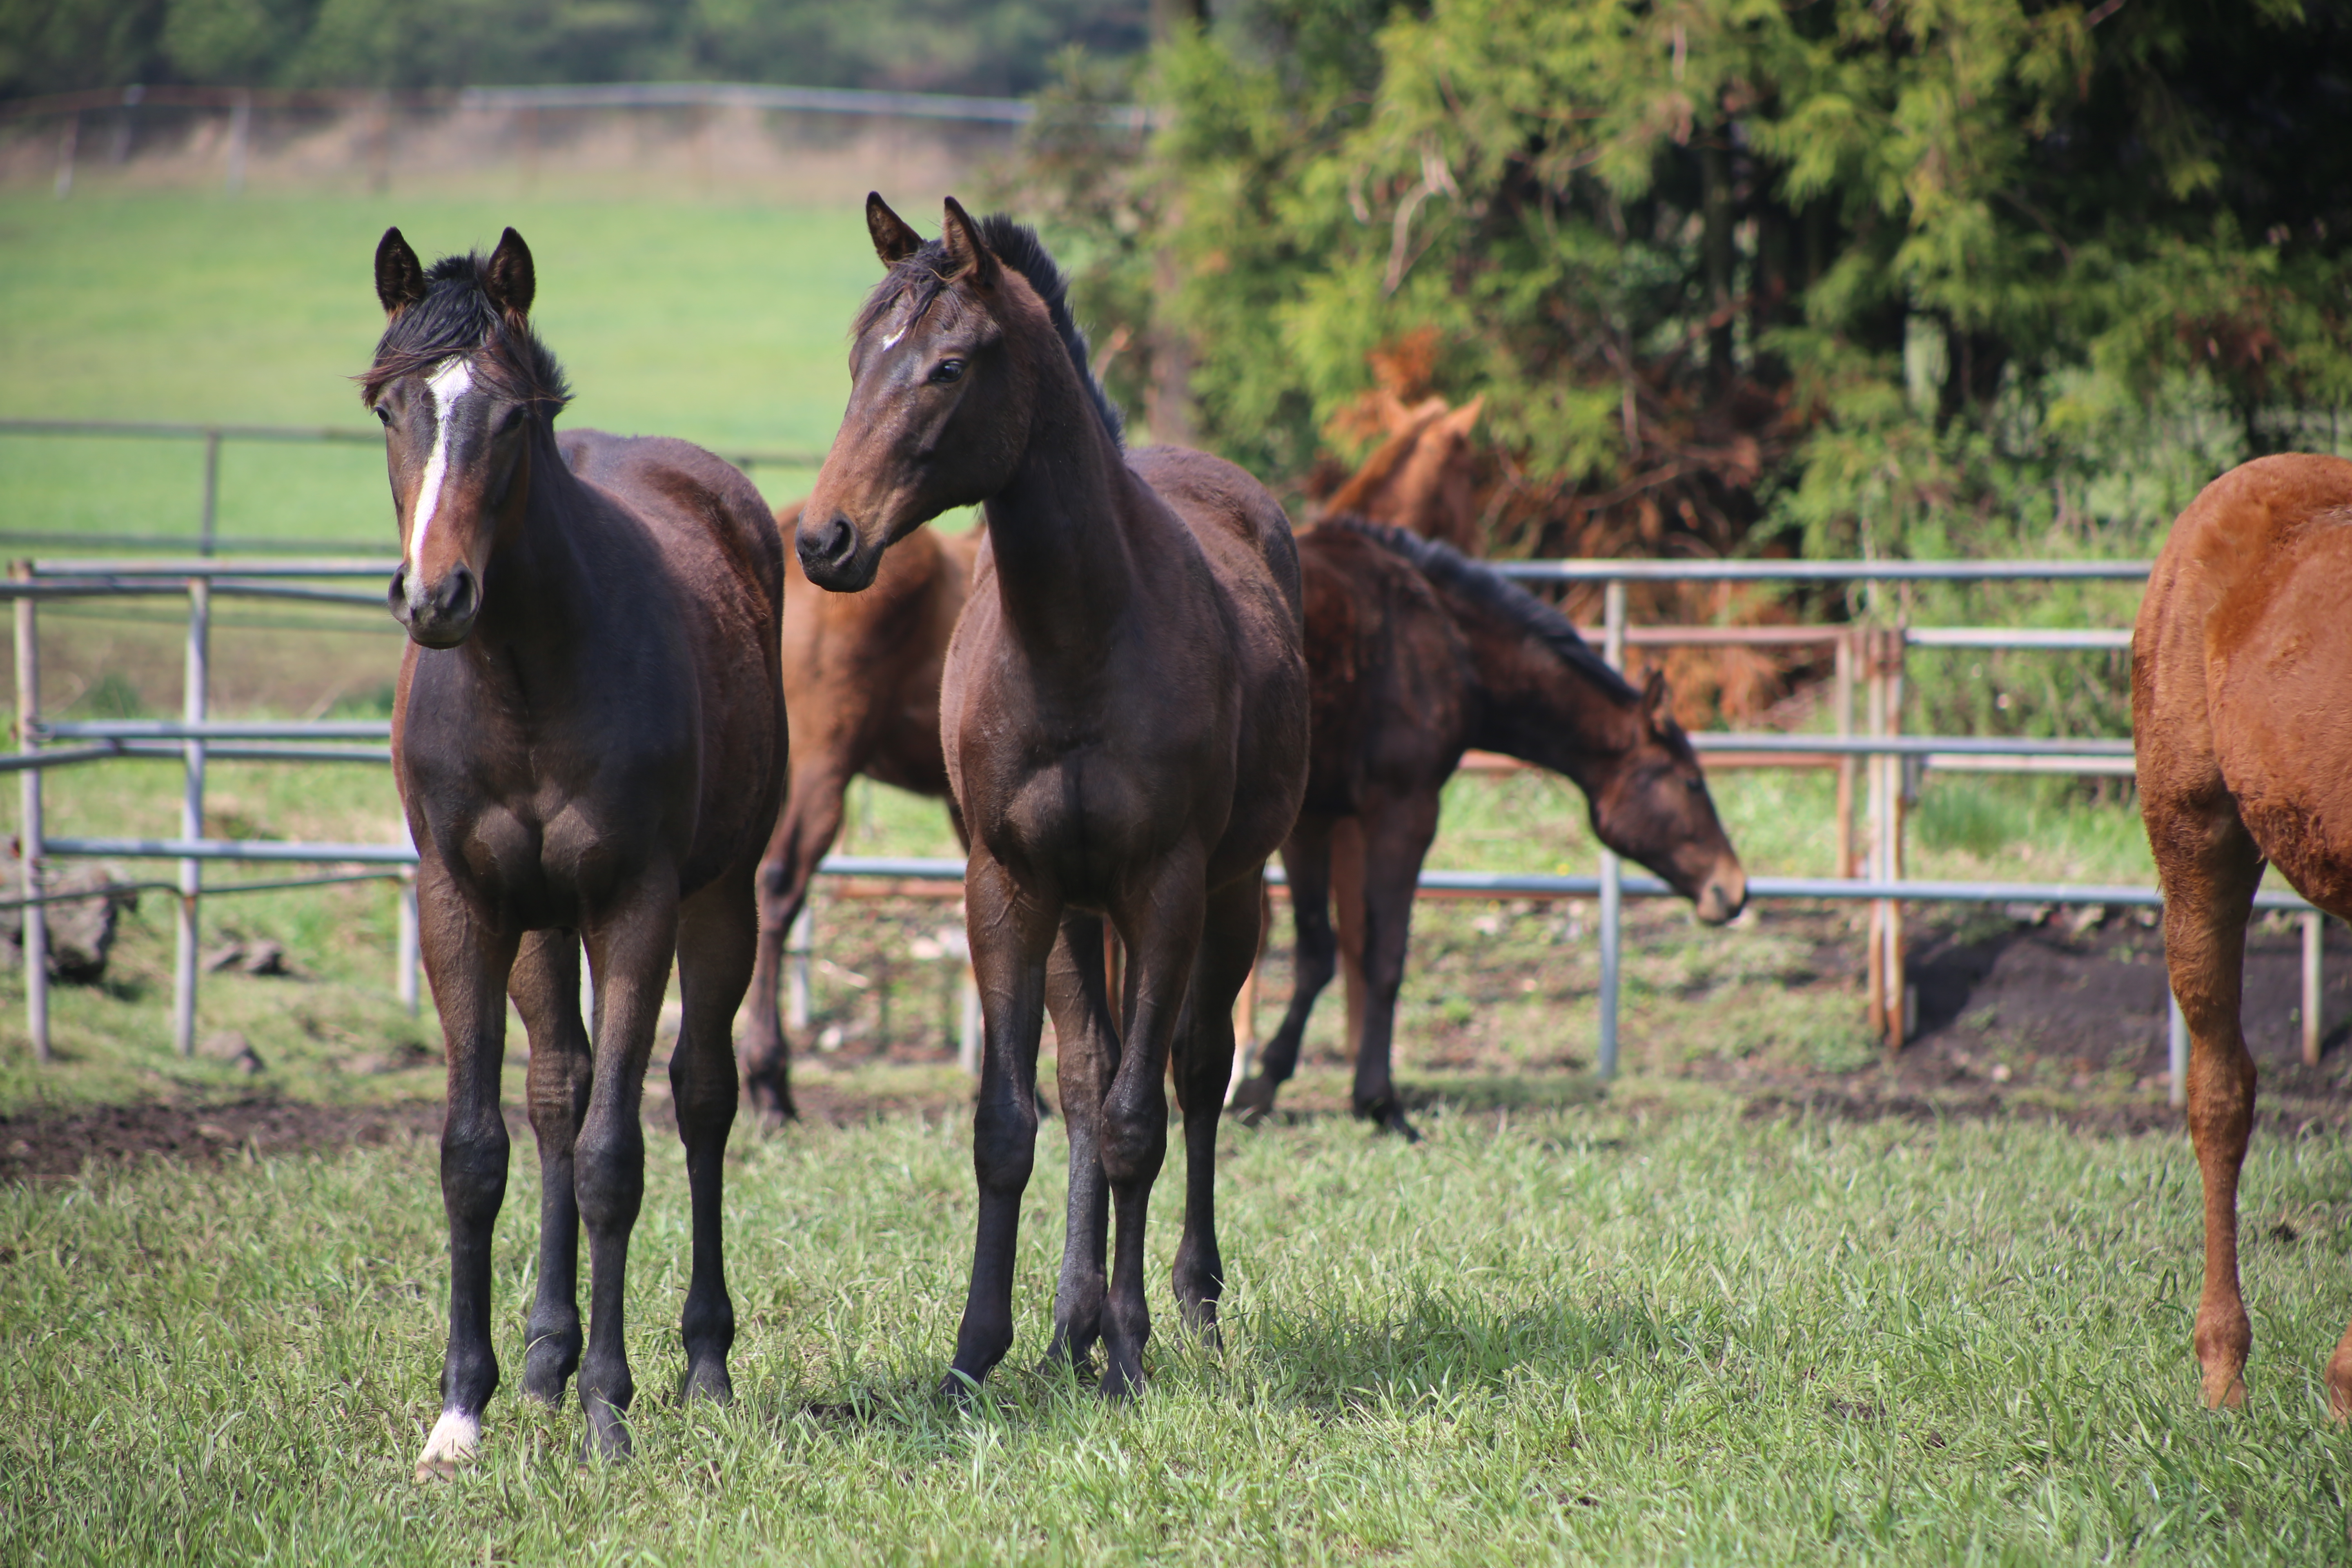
(1124,715)
(589,744)
(862,686)
(1417,654)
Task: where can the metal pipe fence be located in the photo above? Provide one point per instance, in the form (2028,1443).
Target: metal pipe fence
(1870,655)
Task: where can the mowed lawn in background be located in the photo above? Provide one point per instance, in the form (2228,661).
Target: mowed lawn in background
(1602,1335)
(725,325)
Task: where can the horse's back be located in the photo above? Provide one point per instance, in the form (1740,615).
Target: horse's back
(1225,507)
(691,500)
(1387,671)
(2242,667)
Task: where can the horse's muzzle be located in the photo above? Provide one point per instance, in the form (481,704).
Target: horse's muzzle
(1724,893)
(830,555)
(439,614)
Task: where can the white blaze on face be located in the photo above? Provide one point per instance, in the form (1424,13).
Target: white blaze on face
(449,386)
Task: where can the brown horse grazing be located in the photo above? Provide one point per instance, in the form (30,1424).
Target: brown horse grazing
(1417,653)
(589,745)
(862,687)
(2241,716)
(1124,718)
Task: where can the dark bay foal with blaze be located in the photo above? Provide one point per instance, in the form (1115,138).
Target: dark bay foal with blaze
(589,743)
(1124,717)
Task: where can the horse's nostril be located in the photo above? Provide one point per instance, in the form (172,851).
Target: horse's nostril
(458,594)
(830,545)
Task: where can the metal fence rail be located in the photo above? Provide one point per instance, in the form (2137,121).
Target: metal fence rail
(1869,655)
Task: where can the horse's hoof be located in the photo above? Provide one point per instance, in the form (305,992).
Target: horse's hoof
(451,1447)
(2225,1388)
(1253,1102)
(709,1381)
(1387,1116)
(1121,1382)
(548,1363)
(607,1441)
(958,1388)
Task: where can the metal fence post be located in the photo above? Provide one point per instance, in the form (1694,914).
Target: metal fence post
(206,523)
(191,814)
(1875,702)
(2314,937)
(240,133)
(2176,1041)
(1613,891)
(1843,688)
(405,958)
(66,144)
(799,943)
(1898,999)
(36,927)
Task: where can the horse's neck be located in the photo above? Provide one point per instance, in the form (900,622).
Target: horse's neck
(1061,533)
(1541,708)
(539,577)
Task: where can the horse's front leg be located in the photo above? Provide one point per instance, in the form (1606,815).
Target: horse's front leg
(1397,831)
(545,987)
(1011,939)
(1204,1056)
(1076,991)
(719,929)
(468,962)
(1163,930)
(629,947)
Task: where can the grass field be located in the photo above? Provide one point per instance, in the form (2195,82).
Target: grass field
(723,324)
(1620,1334)
(1644,1326)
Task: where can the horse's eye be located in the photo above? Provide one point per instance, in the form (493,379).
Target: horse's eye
(948,370)
(383,415)
(1695,784)
(509,419)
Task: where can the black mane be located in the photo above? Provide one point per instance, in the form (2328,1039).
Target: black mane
(1016,245)
(1447,568)
(455,317)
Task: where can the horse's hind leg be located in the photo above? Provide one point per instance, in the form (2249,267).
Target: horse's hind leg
(469,964)
(1307,860)
(629,948)
(2210,867)
(1204,1056)
(545,987)
(811,819)
(717,933)
(1078,993)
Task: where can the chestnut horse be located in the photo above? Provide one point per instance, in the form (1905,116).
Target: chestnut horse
(862,689)
(2242,717)
(1124,713)
(1418,653)
(589,746)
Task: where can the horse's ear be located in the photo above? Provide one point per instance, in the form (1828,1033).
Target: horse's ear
(969,259)
(1657,702)
(399,276)
(1463,420)
(511,280)
(894,238)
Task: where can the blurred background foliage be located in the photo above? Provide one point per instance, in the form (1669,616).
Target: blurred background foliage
(1904,278)
(1000,47)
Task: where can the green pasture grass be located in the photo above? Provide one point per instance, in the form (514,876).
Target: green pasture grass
(1608,1334)
(723,323)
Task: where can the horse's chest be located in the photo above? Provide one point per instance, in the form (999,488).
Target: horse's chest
(1077,817)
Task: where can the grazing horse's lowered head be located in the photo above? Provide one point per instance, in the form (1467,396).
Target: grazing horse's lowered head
(944,373)
(1654,808)
(468,396)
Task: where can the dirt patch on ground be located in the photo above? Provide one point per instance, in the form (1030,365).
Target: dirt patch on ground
(52,1146)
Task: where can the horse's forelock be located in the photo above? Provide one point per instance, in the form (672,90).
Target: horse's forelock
(456,320)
